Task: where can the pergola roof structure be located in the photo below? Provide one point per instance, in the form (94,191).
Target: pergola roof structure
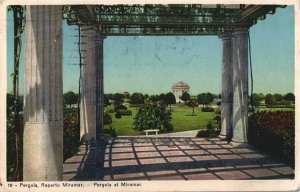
(172,19)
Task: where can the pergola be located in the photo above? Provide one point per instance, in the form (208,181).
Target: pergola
(43,111)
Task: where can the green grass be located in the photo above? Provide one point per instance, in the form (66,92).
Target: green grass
(182,120)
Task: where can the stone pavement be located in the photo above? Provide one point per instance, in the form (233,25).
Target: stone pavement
(167,158)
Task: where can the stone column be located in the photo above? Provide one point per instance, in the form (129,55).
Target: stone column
(240,85)
(227,83)
(88,86)
(43,101)
(99,84)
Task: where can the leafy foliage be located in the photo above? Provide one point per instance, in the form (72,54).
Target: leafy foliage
(169,99)
(203,99)
(207,109)
(136,99)
(70,135)
(274,133)
(192,103)
(107,120)
(11,150)
(120,107)
(153,116)
(270,100)
(125,112)
(289,97)
(118,114)
(185,96)
(255,100)
(106,100)
(118,99)
(70,98)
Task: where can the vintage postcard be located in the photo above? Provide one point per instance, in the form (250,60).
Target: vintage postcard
(149,96)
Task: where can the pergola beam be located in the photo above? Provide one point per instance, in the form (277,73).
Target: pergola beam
(174,19)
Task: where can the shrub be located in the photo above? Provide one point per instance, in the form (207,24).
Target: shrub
(274,133)
(210,131)
(120,107)
(111,110)
(210,127)
(207,109)
(70,136)
(153,116)
(218,111)
(118,115)
(217,118)
(125,112)
(110,131)
(107,119)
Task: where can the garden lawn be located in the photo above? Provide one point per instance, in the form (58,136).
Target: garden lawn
(182,120)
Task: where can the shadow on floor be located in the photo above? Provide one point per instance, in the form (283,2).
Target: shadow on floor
(170,158)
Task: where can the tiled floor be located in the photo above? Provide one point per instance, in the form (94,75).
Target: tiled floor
(173,159)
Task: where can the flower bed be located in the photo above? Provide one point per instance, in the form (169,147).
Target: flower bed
(274,133)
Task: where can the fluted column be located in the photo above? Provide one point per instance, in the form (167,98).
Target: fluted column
(227,83)
(100,85)
(88,86)
(43,103)
(240,85)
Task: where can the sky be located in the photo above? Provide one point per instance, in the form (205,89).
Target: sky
(153,64)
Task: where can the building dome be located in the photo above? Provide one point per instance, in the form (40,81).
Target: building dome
(180,85)
(179,88)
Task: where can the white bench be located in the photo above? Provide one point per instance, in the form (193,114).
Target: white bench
(151,130)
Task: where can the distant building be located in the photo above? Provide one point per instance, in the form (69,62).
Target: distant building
(179,88)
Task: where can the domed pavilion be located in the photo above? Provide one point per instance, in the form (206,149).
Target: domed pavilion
(179,88)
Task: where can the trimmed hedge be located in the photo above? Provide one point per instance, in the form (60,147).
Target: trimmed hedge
(125,112)
(118,115)
(274,133)
(120,107)
(207,109)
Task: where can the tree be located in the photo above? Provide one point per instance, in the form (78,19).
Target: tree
(210,97)
(192,103)
(19,24)
(270,100)
(185,96)
(169,99)
(278,97)
(289,97)
(118,99)
(106,100)
(154,98)
(153,116)
(203,99)
(70,98)
(255,100)
(136,99)
(261,97)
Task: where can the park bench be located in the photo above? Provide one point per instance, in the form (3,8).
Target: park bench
(151,130)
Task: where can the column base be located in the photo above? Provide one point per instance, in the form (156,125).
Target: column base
(87,138)
(223,137)
(43,151)
(239,144)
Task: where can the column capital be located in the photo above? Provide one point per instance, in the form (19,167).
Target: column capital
(226,35)
(240,31)
(99,37)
